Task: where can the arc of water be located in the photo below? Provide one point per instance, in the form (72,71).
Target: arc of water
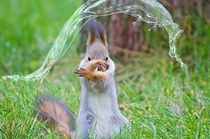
(149,11)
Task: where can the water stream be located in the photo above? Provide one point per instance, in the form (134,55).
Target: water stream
(149,11)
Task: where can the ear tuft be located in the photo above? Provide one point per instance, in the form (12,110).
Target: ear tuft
(96,29)
(92,32)
(102,33)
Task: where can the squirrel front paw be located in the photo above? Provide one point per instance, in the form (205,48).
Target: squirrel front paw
(81,72)
(92,76)
(97,65)
(101,65)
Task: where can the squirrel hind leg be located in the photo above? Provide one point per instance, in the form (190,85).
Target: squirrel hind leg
(57,113)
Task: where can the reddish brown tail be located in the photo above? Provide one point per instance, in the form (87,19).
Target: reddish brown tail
(59,117)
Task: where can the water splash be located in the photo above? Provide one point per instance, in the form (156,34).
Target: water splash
(149,11)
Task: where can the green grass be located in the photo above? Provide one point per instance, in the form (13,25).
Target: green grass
(161,99)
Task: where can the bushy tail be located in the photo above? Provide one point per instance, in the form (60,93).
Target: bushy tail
(60,118)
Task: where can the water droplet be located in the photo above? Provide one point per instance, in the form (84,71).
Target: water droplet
(134,23)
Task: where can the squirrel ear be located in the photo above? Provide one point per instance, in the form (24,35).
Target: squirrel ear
(92,32)
(102,33)
(103,38)
(96,29)
(91,39)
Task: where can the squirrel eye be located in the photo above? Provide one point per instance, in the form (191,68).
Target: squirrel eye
(106,58)
(89,59)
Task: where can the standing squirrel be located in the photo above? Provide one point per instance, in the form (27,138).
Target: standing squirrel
(99,115)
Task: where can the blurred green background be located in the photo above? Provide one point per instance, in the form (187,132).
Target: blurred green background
(28,30)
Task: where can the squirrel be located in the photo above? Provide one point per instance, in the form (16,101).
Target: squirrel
(99,115)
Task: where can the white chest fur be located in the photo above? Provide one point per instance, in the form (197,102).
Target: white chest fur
(100,104)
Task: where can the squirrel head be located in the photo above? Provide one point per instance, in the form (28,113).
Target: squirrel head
(97,47)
